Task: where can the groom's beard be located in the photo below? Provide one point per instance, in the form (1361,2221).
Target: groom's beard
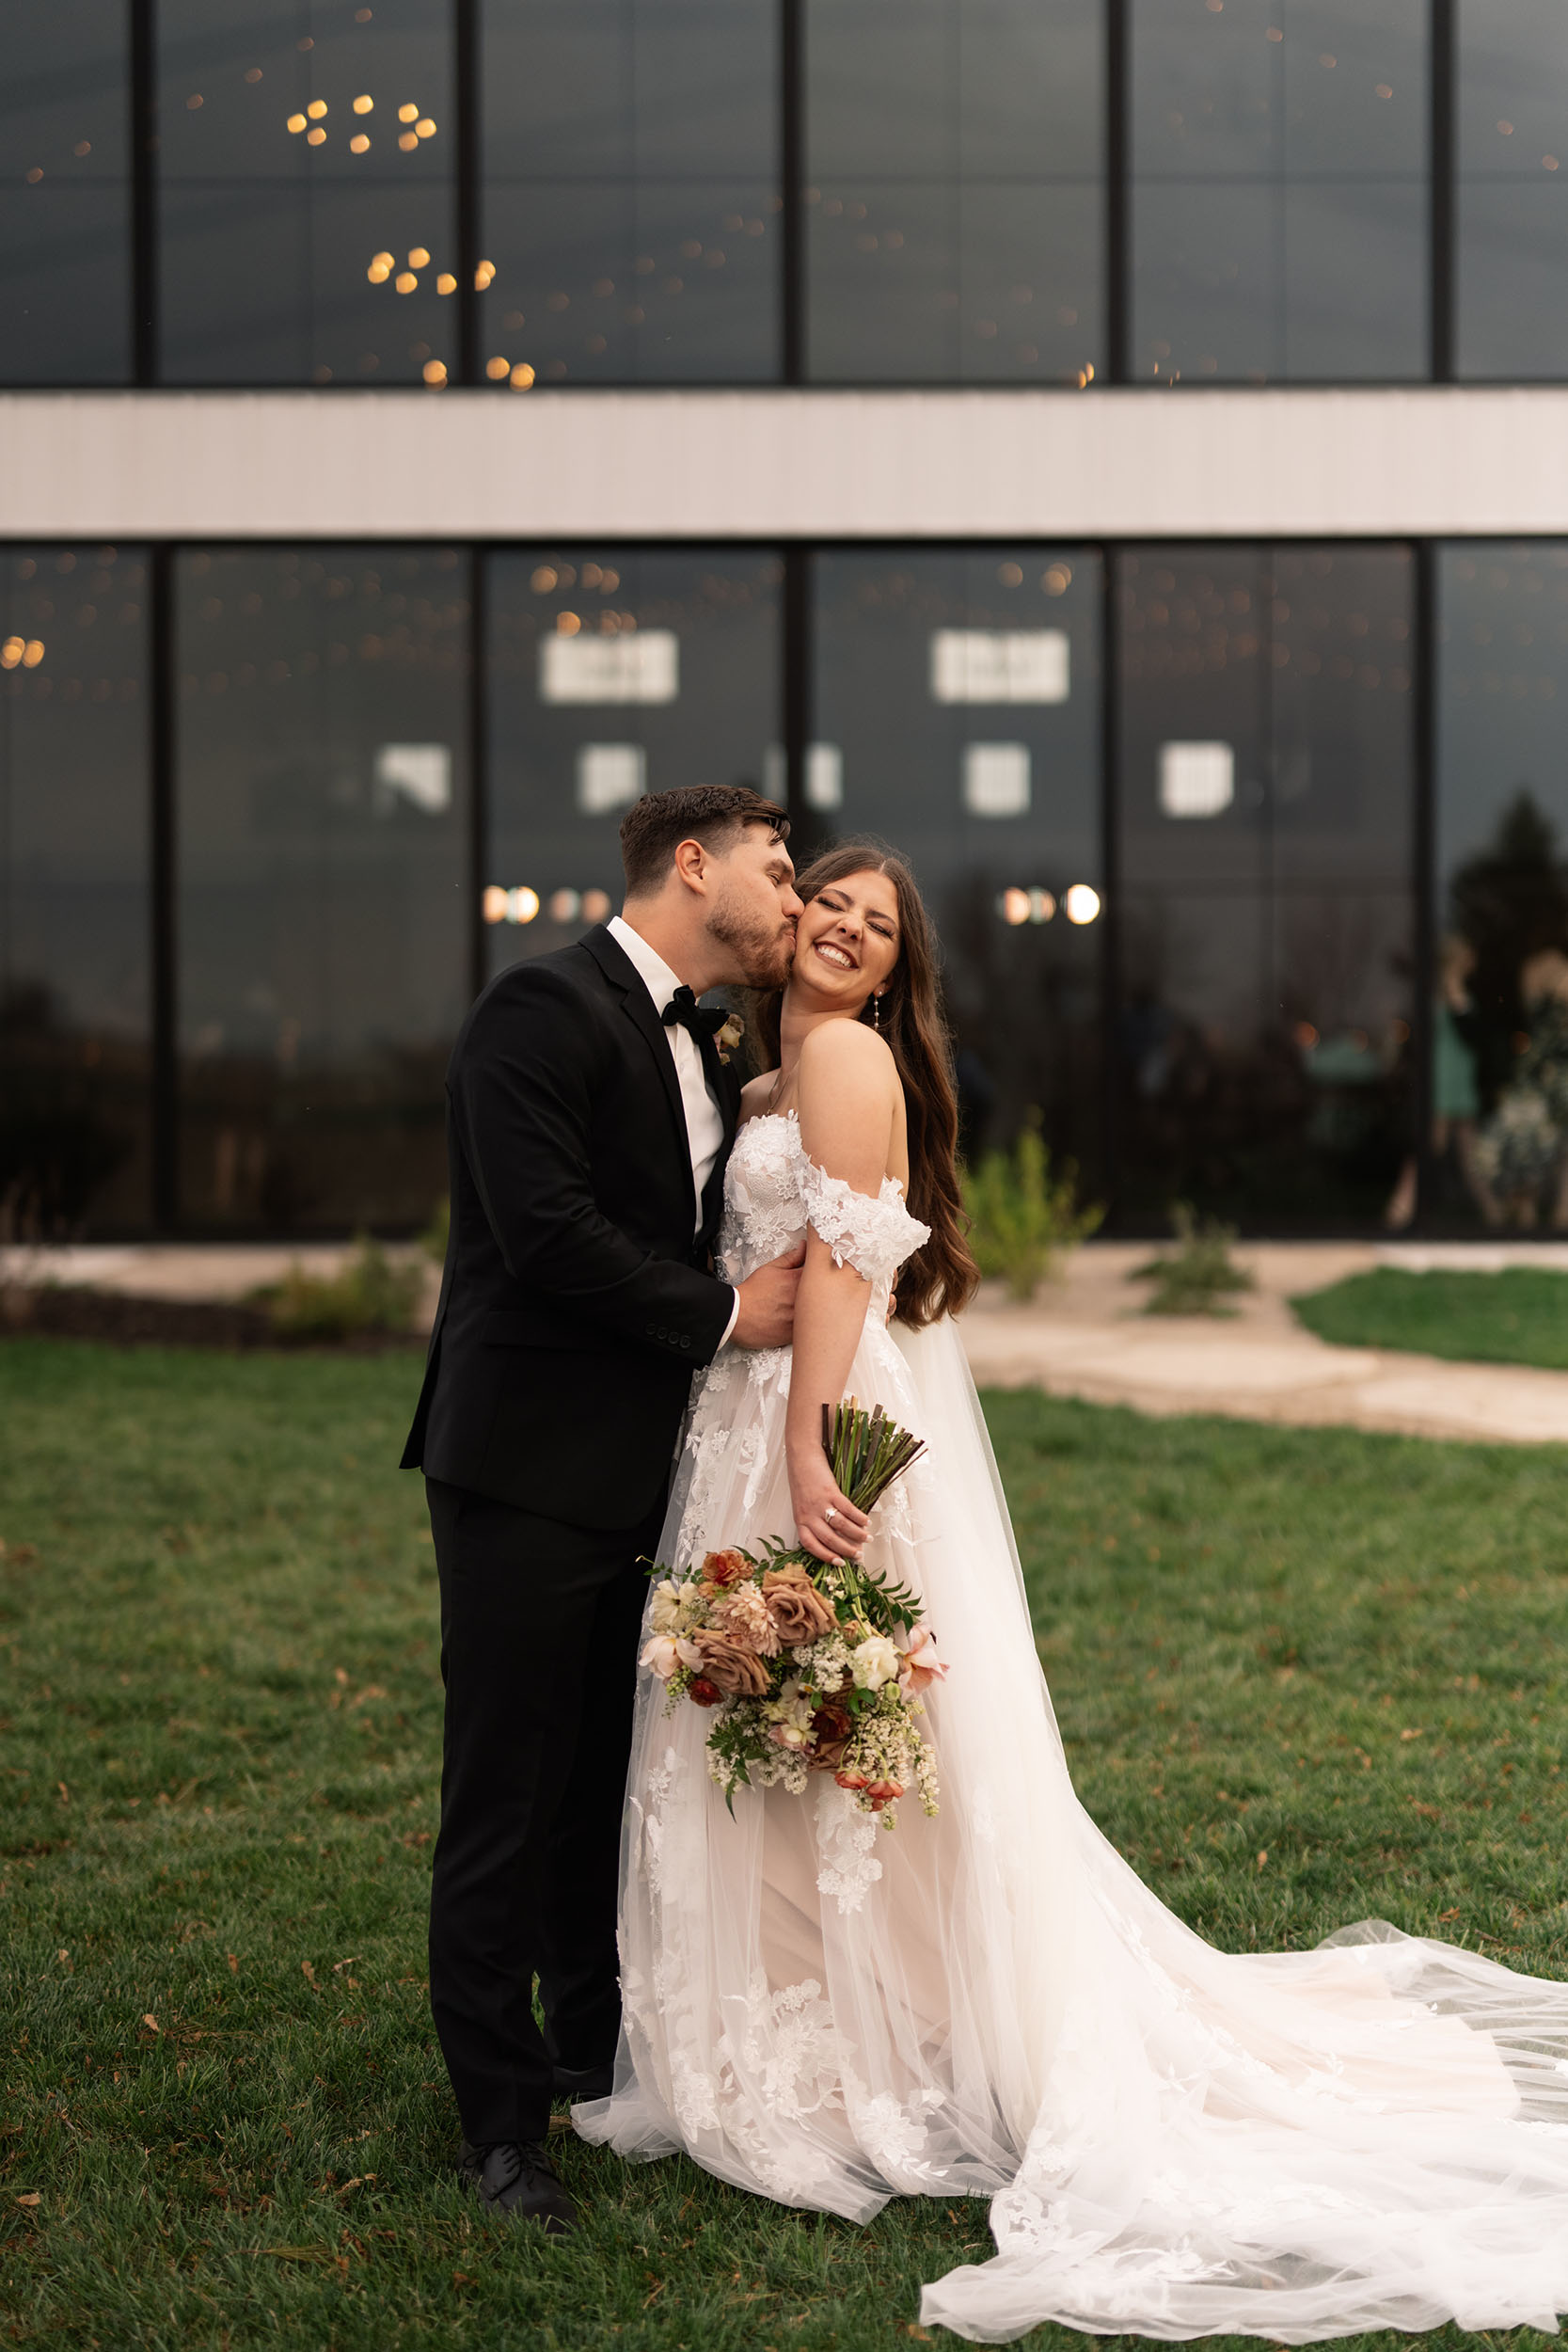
(763,951)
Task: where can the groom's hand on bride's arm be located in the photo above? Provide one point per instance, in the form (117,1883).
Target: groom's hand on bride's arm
(764,1302)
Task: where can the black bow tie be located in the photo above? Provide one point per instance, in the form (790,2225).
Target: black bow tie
(701,1021)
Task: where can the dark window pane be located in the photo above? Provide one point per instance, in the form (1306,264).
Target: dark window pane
(953,212)
(631,191)
(323,803)
(305,235)
(1500,1025)
(956,713)
(1267,799)
(612,673)
(75,938)
(65,203)
(1512,195)
(1279,194)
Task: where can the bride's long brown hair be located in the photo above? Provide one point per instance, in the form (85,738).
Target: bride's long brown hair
(941,1276)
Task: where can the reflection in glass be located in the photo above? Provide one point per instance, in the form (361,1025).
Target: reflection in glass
(610,673)
(1500,1032)
(631,217)
(1266,803)
(1280,199)
(954,214)
(74,937)
(65,201)
(323,808)
(307,230)
(1511,199)
(955,712)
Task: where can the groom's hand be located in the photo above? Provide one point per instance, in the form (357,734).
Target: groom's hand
(766,1316)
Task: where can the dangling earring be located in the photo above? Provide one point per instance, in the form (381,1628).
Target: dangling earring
(877,1013)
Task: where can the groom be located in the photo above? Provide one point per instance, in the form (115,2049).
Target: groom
(588,1121)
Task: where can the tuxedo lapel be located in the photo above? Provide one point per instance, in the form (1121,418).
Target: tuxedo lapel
(637,1006)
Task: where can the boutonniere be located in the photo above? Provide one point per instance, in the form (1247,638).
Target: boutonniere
(729,1037)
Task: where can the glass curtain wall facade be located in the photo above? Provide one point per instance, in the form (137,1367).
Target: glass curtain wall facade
(528,194)
(1250,862)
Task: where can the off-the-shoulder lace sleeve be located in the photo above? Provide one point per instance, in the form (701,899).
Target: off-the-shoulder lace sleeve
(873,1236)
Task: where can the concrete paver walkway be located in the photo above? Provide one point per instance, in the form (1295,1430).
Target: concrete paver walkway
(1083,1335)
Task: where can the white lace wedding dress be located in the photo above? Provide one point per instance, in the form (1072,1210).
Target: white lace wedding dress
(1176,2141)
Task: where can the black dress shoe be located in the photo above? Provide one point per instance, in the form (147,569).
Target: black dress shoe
(585,2082)
(516,2177)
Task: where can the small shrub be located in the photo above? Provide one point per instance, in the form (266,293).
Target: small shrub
(1022,1218)
(1198,1275)
(369,1293)
(433,1241)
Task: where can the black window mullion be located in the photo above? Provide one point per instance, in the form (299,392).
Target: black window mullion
(144,196)
(479,749)
(792,158)
(1110,874)
(1442,169)
(1424,876)
(468,76)
(1117,185)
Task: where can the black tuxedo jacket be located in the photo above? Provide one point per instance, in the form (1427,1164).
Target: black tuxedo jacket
(576,1301)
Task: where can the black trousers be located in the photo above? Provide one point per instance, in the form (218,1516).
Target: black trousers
(539,1627)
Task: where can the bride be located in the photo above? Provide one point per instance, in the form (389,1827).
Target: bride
(1176,2141)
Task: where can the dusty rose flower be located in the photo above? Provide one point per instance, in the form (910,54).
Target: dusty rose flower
(797,1608)
(739,1671)
(707,1694)
(724,1567)
(851,1780)
(742,1618)
(921,1666)
(884,1792)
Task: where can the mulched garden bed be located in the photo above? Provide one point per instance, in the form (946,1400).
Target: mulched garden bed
(56,1310)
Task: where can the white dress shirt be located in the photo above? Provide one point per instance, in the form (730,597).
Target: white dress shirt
(705,1122)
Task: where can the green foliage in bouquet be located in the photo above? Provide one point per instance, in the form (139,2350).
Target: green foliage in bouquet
(1196,1278)
(1022,1218)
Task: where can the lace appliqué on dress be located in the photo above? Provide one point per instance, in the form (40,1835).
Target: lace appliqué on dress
(873,1236)
(845,1838)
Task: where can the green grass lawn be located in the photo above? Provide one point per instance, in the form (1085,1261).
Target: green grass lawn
(1304,1675)
(1519,1317)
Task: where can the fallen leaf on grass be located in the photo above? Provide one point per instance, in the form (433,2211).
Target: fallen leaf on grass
(151,2019)
(921,2335)
(307,1972)
(32,2197)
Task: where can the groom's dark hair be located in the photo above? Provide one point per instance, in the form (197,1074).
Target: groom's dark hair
(709,813)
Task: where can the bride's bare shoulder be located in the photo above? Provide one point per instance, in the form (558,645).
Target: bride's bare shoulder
(846,1053)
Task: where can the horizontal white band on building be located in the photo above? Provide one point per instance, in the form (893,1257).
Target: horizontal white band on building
(1438,461)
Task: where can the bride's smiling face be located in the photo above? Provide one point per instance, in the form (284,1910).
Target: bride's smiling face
(846,943)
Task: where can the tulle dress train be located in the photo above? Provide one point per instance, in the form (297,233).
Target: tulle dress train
(1175,2141)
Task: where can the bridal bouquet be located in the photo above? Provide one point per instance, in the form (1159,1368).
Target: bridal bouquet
(809,1668)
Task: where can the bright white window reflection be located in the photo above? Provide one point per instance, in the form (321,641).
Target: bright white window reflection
(1081,904)
(824,776)
(1196,779)
(610,776)
(420,773)
(645,668)
(1000,665)
(996,779)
